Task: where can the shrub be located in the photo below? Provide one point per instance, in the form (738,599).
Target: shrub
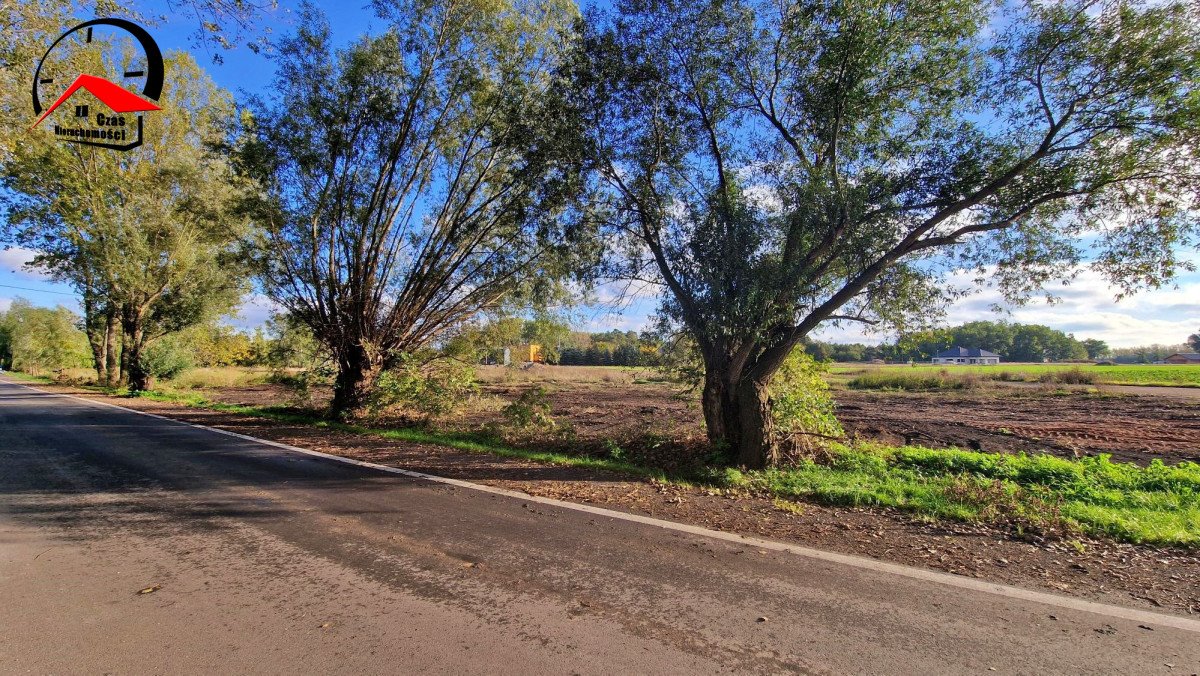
(530,412)
(800,403)
(1076,376)
(166,358)
(432,386)
(302,382)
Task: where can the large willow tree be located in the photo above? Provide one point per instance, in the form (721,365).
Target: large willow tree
(414,178)
(780,164)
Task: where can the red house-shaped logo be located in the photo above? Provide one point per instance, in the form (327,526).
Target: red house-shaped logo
(119,99)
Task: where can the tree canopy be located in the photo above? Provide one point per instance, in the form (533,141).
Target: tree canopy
(147,237)
(777,166)
(416,178)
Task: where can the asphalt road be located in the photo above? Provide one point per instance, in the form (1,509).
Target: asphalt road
(268,560)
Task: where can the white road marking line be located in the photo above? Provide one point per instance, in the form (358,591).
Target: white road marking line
(1045,598)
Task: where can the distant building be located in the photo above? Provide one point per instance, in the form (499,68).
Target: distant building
(962,355)
(1183,358)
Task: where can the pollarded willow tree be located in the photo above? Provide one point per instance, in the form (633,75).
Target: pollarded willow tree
(415,178)
(778,165)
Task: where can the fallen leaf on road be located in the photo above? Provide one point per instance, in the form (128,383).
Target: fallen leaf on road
(324,625)
(150,590)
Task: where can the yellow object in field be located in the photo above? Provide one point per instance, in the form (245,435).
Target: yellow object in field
(528,352)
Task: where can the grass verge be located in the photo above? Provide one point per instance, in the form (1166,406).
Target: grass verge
(1158,504)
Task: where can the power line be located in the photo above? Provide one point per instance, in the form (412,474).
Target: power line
(25,288)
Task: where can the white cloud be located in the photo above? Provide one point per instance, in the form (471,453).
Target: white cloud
(1088,308)
(254,312)
(5,303)
(15,259)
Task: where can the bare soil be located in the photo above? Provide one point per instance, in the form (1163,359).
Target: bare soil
(1067,423)
(1141,576)
(1130,428)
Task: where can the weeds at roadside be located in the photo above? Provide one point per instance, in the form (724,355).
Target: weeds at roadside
(530,412)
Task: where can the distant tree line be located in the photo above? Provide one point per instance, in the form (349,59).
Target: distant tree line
(1147,354)
(485,343)
(41,341)
(1012,341)
(613,348)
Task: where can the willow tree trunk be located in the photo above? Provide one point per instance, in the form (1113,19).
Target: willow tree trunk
(112,355)
(99,353)
(358,372)
(106,357)
(133,344)
(737,413)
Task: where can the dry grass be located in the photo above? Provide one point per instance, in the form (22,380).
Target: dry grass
(543,374)
(216,378)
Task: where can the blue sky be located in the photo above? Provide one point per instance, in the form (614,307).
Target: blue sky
(1088,308)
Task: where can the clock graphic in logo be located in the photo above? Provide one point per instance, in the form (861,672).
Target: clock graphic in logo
(130,80)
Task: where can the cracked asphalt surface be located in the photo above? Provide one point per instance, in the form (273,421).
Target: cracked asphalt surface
(262,560)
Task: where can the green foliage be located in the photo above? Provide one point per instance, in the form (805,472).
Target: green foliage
(530,412)
(1193,341)
(292,344)
(783,166)
(303,382)
(41,340)
(800,402)
(614,348)
(167,358)
(1096,349)
(427,384)
(486,341)
(1071,376)
(1013,342)
(548,331)
(1158,504)
(437,161)
(150,237)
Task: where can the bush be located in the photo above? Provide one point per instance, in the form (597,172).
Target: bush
(302,382)
(800,403)
(530,412)
(166,358)
(428,384)
(1071,376)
